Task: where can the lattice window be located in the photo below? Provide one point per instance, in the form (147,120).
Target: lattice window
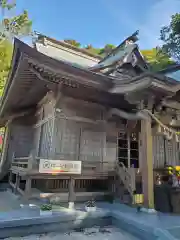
(128,149)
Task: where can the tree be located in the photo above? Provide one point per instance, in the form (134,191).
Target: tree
(157,59)
(72,42)
(107,49)
(89,47)
(18,26)
(170,35)
(92,49)
(6,50)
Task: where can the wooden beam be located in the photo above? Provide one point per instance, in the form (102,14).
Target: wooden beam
(21,113)
(58,94)
(50,96)
(171,104)
(50,85)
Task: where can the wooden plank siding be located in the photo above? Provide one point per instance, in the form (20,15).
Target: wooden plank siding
(21,141)
(165,152)
(78,131)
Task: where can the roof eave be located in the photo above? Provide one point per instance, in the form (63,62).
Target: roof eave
(14,63)
(147,80)
(62,43)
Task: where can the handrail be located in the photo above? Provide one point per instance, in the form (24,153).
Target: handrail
(21,158)
(96,166)
(128,178)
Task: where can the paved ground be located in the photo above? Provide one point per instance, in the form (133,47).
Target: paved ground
(10,209)
(8,202)
(108,233)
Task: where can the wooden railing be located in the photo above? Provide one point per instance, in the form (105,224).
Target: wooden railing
(128,177)
(88,167)
(22,163)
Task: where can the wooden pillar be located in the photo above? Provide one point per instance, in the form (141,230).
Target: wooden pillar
(146,156)
(129,149)
(31,160)
(27,191)
(17,183)
(71,197)
(10,177)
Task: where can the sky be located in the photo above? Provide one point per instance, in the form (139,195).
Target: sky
(99,22)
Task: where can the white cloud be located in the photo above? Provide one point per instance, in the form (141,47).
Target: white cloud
(157,16)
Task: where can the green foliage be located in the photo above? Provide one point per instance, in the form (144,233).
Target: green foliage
(107,49)
(72,42)
(46,207)
(157,59)
(19,26)
(100,51)
(170,35)
(92,50)
(96,51)
(5,61)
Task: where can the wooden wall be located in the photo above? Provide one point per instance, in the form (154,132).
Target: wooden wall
(77,130)
(20,139)
(66,139)
(44,129)
(165,152)
(111,143)
(80,136)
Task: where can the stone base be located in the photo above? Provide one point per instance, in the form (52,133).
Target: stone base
(90,209)
(71,205)
(148,210)
(45,213)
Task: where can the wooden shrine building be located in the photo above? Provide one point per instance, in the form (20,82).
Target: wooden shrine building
(105,114)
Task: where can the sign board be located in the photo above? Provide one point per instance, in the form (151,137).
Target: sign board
(59,166)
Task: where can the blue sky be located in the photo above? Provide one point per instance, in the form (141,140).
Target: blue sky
(100,21)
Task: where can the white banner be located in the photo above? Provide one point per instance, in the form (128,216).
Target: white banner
(59,166)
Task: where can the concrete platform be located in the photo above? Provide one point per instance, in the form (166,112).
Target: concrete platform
(30,222)
(142,225)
